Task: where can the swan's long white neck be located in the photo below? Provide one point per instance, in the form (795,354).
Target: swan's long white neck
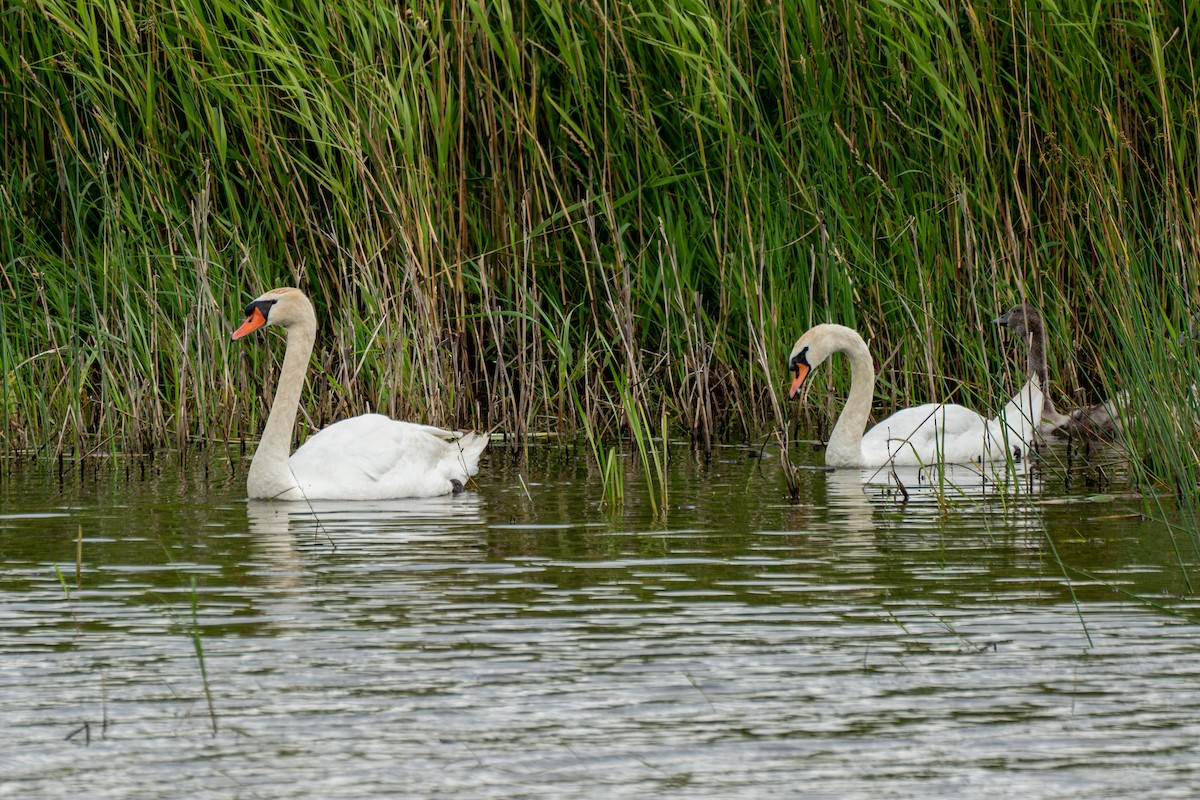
(845,443)
(270,476)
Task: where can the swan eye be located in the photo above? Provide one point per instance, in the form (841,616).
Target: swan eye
(799,359)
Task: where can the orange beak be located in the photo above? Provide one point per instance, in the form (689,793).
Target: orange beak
(801,374)
(253,322)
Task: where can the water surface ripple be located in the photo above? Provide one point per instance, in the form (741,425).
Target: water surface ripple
(977,641)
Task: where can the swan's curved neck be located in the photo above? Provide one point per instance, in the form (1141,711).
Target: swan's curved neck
(1037,353)
(1036,339)
(845,443)
(270,475)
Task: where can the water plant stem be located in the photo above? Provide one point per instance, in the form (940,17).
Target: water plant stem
(194,634)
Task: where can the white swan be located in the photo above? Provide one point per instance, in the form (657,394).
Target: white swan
(370,457)
(927,434)
(1099,421)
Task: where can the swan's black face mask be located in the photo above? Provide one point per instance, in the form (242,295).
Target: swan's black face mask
(256,317)
(261,306)
(799,368)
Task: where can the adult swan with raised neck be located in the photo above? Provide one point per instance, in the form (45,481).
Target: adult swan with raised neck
(926,434)
(369,457)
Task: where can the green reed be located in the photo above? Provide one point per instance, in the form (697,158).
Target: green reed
(651,456)
(506,211)
(195,634)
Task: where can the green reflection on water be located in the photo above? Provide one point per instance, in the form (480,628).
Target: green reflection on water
(730,534)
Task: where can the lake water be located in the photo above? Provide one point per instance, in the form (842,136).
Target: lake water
(519,640)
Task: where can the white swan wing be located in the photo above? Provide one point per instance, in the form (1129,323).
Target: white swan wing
(954,434)
(926,434)
(373,457)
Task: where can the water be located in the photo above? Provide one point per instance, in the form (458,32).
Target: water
(521,641)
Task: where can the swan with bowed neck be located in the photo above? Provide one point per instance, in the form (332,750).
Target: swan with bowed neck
(370,457)
(927,434)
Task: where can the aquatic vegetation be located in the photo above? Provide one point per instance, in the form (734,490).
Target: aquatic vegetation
(613,480)
(195,634)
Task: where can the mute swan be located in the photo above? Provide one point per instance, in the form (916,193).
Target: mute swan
(369,457)
(1101,420)
(926,434)
(1026,322)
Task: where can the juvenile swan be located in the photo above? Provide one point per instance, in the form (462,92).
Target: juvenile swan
(1100,421)
(370,457)
(1026,322)
(927,434)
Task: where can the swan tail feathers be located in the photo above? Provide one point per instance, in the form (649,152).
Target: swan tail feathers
(471,447)
(433,430)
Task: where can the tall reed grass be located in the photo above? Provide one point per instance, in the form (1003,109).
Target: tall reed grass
(557,216)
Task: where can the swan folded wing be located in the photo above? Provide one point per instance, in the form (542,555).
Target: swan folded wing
(955,434)
(926,434)
(924,420)
(375,457)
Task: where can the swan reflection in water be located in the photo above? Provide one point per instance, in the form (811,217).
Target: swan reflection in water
(357,518)
(365,536)
(922,492)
